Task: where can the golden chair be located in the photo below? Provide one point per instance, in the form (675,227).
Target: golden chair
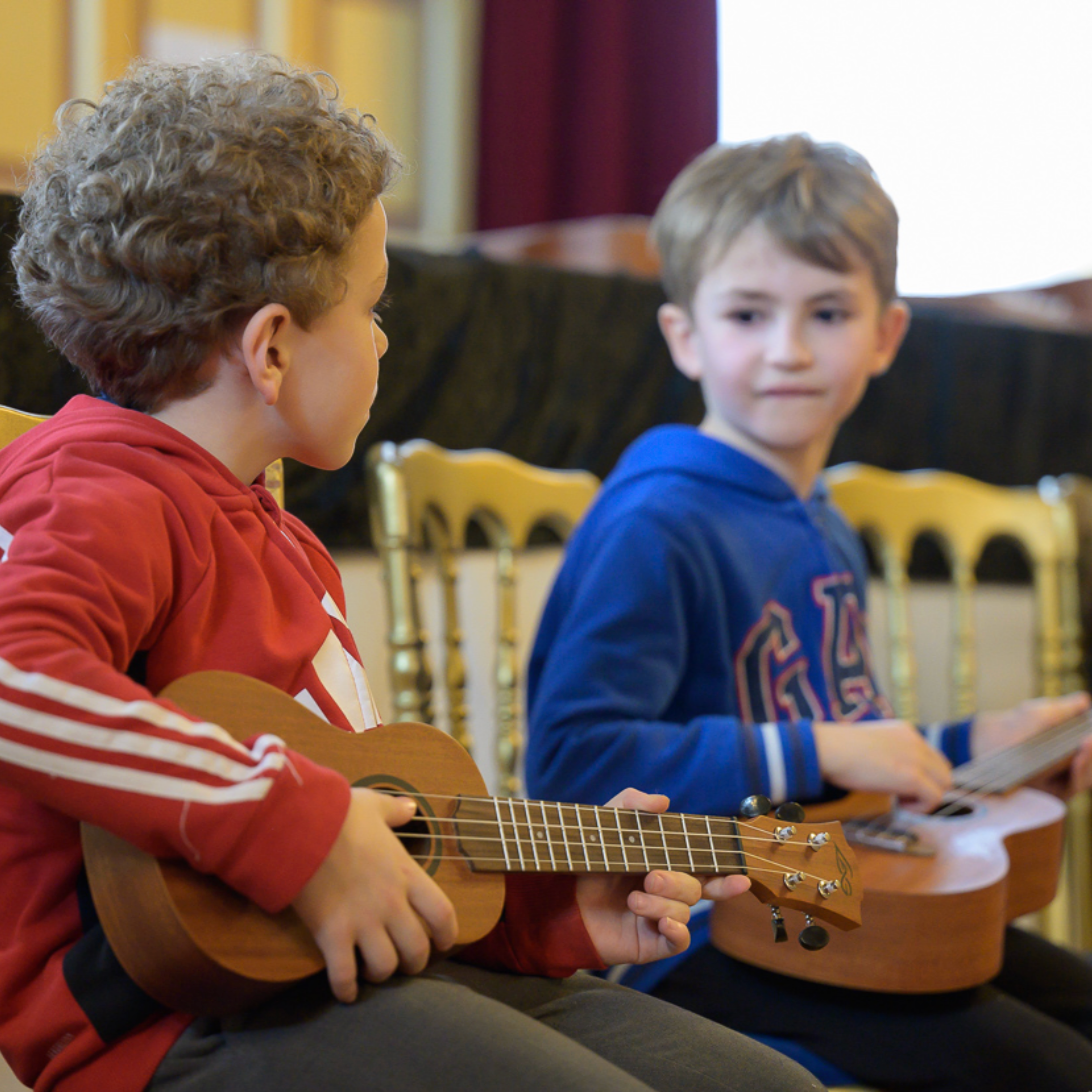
(892,511)
(14,423)
(424,499)
(274,480)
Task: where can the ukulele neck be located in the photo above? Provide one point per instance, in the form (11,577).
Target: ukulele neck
(506,835)
(1002,770)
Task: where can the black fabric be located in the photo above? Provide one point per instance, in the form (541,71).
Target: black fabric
(565,369)
(1031,1027)
(34,377)
(558,369)
(138,668)
(111,1000)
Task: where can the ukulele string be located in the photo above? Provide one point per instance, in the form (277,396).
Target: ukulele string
(528,849)
(999,770)
(533,865)
(529,821)
(557,839)
(1011,765)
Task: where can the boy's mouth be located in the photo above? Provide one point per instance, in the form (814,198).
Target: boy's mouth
(790,392)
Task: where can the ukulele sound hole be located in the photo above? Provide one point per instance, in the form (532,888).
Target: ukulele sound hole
(421,836)
(952,811)
(417,838)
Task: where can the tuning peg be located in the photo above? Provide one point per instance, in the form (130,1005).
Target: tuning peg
(780,933)
(754,806)
(813,937)
(790,812)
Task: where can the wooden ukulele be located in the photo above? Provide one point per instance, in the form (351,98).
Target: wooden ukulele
(940,888)
(195,945)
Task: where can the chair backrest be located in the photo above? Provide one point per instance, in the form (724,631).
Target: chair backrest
(274,480)
(963,515)
(425,498)
(14,423)
(892,511)
(1076,491)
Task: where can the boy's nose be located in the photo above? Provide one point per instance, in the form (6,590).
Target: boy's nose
(787,347)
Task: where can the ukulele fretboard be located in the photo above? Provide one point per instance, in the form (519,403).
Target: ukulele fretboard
(506,835)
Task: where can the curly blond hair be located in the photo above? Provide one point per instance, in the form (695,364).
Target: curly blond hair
(190,196)
(822,202)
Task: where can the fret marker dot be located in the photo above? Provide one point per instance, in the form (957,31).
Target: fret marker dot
(538,833)
(631,839)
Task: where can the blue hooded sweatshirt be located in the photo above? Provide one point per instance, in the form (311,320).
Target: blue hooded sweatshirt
(703,618)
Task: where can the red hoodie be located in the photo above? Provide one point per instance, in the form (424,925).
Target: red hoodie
(127,551)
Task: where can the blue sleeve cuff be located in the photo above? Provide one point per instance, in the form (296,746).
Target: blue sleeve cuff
(783,760)
(804,781)
(952,740)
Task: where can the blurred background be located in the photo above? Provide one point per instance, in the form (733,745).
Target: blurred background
(976,116)
(540,136)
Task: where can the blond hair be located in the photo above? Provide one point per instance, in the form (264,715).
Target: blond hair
(189,197)
(822,202)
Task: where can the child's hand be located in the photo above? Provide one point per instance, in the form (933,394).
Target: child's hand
(636,919)
(368,895)
(993,731)
(888,756)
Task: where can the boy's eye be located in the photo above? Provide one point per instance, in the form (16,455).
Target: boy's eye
(832,314)
(380,306)
(744,315)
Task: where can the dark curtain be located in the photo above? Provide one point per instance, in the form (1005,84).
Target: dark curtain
(591,107)
(565,369)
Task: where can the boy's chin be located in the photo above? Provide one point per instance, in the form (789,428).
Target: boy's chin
(331,460)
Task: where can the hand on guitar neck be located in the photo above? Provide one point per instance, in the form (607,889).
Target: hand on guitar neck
(1059,728)
(638,919)
(369,896)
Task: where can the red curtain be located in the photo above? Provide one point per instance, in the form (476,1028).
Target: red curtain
(590,107)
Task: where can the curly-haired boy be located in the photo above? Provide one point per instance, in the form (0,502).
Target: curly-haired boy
(207,245)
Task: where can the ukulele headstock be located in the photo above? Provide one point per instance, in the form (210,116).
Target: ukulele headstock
(808,867)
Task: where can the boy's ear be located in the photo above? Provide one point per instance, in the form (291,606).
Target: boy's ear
(678,329)
(264,346)
(893,325)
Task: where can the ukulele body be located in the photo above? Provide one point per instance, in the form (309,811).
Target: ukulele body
(932,923)
(195,944)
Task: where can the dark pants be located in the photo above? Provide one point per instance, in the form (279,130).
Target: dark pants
(462,1029)
(1030,1028)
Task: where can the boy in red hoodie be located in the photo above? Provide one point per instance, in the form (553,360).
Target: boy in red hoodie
(207,246)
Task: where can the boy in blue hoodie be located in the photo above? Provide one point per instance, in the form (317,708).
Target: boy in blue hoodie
(706,633)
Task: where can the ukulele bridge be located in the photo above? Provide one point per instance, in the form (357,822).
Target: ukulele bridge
(889,839)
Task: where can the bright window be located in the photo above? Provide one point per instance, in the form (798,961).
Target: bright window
(977,118)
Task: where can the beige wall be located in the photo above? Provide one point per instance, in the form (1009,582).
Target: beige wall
(411,63)
(34,75)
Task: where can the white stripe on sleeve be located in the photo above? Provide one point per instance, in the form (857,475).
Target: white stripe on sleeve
(775,762)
